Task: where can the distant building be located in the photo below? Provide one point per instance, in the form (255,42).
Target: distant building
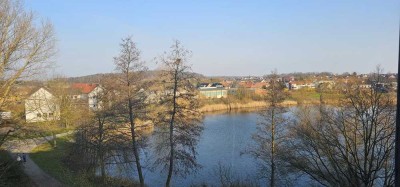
(217,85)
(213,92)
(89,92)
(41,106)
(202,85)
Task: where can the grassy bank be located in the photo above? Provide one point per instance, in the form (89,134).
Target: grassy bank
(234,106)
(298,97)
(51,160)
(12,173)
(230,106)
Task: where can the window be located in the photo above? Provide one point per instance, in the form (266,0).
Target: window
(45,115)
(39,115)
(51,115)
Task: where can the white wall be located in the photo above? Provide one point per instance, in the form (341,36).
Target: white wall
(93,98)
(41,106)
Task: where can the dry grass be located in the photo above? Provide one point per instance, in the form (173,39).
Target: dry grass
(218,107)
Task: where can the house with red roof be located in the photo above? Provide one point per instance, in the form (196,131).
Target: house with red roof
(87,91)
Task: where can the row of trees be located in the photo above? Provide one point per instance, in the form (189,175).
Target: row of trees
(126,112)
(26,50)
(347,145)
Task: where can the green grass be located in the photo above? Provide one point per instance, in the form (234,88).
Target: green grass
(50,160)
(14,175)
(313,97)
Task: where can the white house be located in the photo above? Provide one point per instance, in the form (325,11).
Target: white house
(41,106)
(89,92)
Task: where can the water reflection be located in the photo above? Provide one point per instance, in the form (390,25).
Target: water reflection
(222,142)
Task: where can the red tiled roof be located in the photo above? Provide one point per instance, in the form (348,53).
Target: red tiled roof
(84,87)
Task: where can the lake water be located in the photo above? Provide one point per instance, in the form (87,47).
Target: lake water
(224,138)
(223,141)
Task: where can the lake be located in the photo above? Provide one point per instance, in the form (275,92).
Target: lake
(223,141)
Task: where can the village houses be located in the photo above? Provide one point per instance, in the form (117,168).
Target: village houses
(43,105)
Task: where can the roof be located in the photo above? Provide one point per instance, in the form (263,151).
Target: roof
(37,89)
(84,87)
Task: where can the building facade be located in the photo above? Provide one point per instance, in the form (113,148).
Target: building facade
(213,92)
(41,106)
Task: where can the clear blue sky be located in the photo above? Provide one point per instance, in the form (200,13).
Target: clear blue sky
(228,37)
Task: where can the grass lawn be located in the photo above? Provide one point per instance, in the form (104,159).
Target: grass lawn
(313,97)
(14,175)
(50,160)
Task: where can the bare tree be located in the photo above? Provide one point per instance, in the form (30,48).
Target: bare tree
(271,130)
(178,118)
(72,111)
(42,112)
(349,145)
(52,109)
(132,71)
(25,48)
(96,139)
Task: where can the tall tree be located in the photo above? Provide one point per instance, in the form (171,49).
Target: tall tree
(179,117)
(96,140)
(25,47)
(131,70)
(271,130)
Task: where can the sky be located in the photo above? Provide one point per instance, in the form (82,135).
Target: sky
(228,37)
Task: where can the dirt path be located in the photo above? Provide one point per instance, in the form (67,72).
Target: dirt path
(37,175)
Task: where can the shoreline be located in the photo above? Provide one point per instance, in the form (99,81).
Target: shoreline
(258,104)
(236,106)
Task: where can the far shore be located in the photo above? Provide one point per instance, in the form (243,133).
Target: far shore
(235,106)
(258,104)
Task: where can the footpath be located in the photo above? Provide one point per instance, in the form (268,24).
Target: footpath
(38,176)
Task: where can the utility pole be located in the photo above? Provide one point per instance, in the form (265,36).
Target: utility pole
(397,143)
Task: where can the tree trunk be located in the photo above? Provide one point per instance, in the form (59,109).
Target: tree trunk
(272,182)
(102,169)
(171,133)
(134,143)
(101,152)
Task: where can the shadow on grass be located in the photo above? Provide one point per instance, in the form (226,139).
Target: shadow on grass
(52,161)
(11,173)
